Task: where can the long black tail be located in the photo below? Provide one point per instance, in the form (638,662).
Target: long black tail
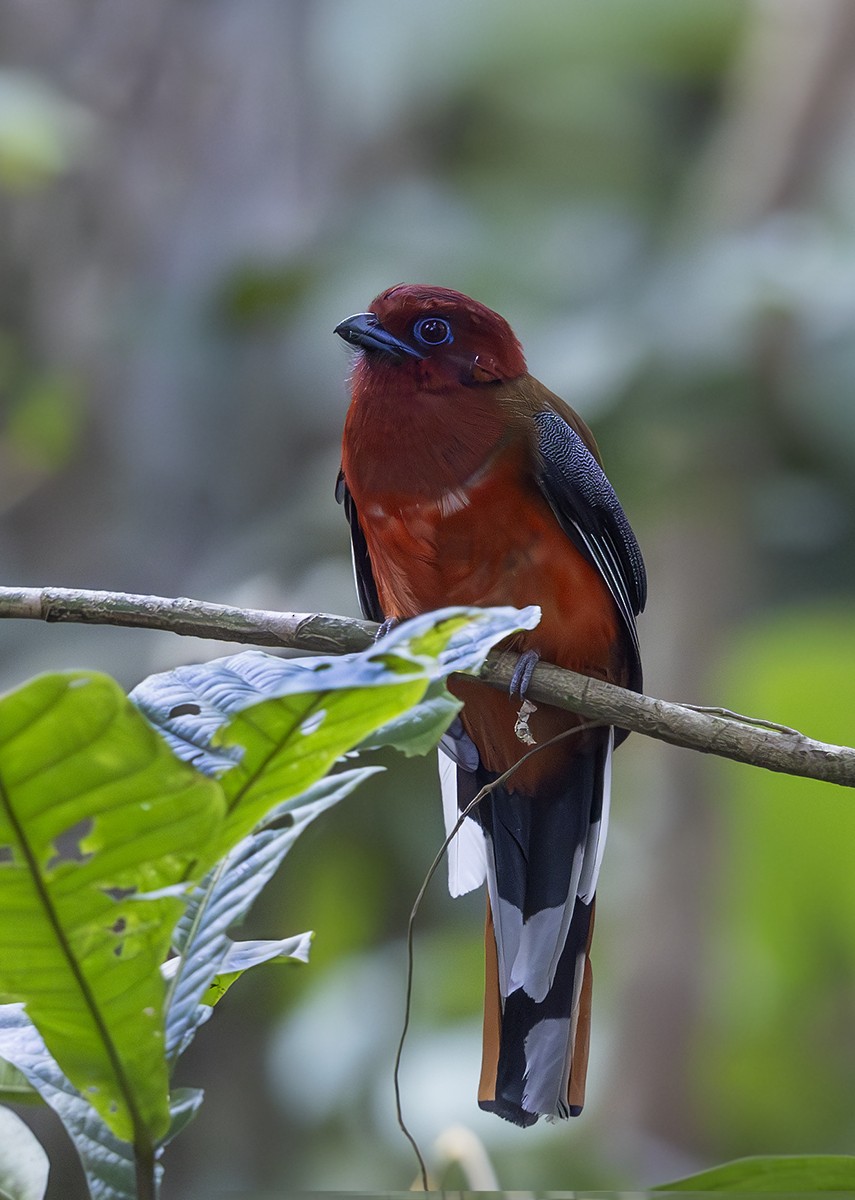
(543,856)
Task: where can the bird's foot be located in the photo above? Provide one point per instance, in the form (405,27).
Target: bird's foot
(386,627)
(520,680)
(523,672)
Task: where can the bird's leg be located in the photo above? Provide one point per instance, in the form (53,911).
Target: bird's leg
(386,627)
(520,680)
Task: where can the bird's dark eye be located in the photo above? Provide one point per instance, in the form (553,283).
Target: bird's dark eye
(433,331)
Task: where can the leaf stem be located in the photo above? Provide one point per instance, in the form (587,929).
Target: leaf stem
(73,964)
(146,1169)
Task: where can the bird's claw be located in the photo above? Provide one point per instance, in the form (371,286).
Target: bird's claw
(523,672)
(386,627)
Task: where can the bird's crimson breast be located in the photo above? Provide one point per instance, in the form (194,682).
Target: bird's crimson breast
(495,541)
(491,540)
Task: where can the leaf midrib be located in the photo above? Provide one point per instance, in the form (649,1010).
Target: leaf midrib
(43,894)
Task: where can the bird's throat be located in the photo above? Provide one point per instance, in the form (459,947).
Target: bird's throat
(421,446)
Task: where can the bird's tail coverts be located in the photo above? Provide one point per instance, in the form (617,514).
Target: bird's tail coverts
(543,855)
(459,764)
(467,854)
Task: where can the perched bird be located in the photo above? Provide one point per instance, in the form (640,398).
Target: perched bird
(466,481)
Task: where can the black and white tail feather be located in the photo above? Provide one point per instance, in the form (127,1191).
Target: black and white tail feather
(541,901)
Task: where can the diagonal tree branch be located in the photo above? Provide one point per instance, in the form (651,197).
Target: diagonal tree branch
(712,731)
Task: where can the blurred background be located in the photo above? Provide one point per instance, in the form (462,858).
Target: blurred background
(660,197)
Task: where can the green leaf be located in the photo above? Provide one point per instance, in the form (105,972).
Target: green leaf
(290,742)
(23,1163)
(224,897)
(14,1088)
(107,1160)
(99,826)
(787,1173)
(272,726)
(418,730)
(184,1103)
(242,956)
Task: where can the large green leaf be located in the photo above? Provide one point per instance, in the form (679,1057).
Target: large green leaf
(99,826)
(779,1174)
(272,726)
(108,1161)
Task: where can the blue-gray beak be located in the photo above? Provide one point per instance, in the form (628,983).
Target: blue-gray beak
(365,331)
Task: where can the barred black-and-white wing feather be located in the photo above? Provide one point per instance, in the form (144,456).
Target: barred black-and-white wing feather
(590,513)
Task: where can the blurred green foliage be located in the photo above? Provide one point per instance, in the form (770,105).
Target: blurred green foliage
(778,1057)
(263,294)
(659,198)
(42,132)
(44,423)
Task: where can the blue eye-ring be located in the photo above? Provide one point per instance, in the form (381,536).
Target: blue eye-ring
(433,331)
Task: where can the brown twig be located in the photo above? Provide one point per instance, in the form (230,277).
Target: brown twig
(744,739)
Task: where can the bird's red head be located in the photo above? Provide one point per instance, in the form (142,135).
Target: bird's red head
(437,337)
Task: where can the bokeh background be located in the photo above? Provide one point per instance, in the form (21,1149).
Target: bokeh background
(660,197)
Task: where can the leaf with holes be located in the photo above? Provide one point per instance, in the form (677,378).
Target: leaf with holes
(99,825)
(271,726)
